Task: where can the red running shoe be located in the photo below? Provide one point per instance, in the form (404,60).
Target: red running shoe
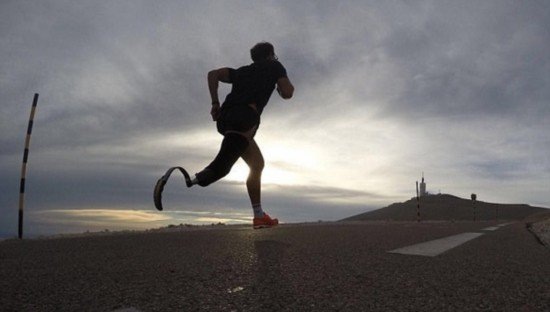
(265,222)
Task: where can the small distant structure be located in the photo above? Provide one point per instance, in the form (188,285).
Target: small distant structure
(423,187)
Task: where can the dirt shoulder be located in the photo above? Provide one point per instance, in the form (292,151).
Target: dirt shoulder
(541,230)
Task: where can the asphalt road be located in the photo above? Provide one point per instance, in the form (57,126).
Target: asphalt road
(318,267)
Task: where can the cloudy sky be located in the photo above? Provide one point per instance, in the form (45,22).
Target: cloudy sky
(385,90)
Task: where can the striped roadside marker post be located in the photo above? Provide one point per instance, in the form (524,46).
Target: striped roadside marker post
(417,204)
(24,166)
(474,197)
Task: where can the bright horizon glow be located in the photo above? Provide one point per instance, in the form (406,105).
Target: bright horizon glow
(99,219)
(283,164)
(91,215)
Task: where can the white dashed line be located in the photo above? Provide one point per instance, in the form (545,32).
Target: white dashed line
(438,246)
(505,224)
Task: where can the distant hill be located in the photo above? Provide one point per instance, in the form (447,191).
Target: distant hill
(448,207)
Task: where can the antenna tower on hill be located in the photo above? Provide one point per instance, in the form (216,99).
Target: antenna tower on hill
(423,187)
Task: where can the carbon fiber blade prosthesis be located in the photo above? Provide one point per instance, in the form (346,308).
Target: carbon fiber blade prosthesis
(159,187)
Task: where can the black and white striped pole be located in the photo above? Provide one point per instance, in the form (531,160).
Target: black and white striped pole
(24,166)
(474,197)
(417,204)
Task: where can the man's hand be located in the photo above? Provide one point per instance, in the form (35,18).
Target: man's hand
(215,111)
(285,88)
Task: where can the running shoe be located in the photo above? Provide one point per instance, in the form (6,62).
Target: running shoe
(265,222)
(159,187)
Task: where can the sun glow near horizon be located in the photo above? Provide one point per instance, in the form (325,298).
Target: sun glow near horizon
(284,164)
(353,155)
(83,219)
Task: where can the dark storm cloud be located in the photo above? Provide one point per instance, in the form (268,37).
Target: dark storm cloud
(104,71)
(470,58)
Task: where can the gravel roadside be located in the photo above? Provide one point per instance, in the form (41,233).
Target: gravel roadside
(541,230)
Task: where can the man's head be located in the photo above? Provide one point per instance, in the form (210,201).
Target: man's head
(262,51)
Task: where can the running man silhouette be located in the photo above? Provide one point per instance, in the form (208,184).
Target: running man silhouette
(238,120)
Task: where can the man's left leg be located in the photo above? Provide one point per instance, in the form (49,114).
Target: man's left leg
(255,161)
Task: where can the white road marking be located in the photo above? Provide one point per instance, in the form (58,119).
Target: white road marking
(235,290)
(505,224)
(438,246)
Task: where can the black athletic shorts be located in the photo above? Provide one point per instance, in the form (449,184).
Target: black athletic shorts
(238,118)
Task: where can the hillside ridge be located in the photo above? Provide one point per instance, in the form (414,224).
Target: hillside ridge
(448,207)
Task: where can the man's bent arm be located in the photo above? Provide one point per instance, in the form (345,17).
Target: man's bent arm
(214,77)
(285,88)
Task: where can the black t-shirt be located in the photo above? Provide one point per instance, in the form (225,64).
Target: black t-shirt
(254,83)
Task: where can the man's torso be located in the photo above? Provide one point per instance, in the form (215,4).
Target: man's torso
(254,84)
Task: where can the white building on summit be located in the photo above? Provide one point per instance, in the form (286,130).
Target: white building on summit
(423,187)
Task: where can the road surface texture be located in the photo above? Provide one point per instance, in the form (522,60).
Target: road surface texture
(310,267)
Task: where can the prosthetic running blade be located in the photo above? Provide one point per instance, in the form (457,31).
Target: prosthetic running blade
(159,187)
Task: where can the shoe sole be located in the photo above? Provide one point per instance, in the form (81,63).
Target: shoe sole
(264,226)
(159,187)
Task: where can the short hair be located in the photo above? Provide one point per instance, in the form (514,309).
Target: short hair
(261,51)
